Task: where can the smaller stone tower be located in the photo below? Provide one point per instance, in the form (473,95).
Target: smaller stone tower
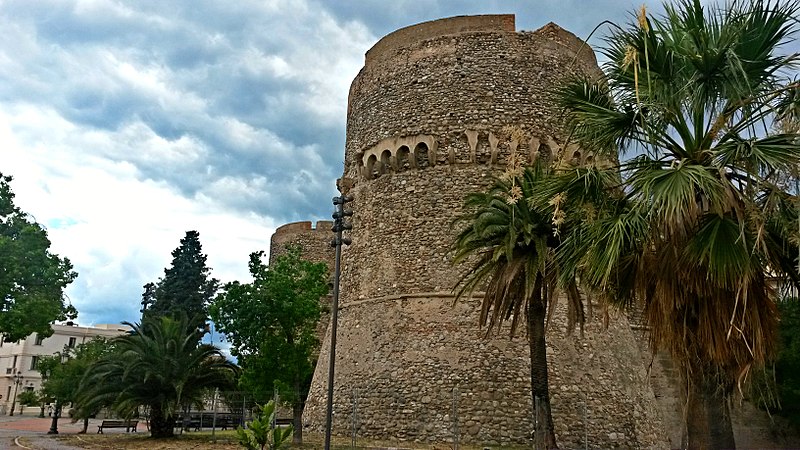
(313,240)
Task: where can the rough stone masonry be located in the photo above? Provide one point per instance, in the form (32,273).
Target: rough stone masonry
(434,114)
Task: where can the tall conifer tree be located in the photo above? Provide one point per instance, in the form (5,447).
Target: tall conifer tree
(186,287)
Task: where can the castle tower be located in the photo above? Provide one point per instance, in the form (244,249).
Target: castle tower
(434,113)
(314,241)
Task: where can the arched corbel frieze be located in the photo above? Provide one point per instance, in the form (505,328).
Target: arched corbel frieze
(398,154)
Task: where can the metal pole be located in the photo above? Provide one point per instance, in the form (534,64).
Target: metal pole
(339,226)
(17,381)
(214,416)
(275,402)
(334,323)
(54,424)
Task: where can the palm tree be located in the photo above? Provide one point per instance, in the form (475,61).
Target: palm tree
(160,366)
(700,220)
(510,243)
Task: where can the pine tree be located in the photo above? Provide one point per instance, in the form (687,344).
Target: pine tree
(186,287)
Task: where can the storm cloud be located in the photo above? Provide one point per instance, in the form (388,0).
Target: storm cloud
(126,123)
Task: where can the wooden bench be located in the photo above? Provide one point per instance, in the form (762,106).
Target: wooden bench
(129,425)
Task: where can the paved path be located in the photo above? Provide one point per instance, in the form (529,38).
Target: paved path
(33,431)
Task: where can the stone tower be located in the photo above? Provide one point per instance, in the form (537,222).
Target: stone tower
(313,240)
(433,114)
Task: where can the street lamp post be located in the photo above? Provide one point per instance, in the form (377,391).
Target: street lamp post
(17,381)
(339,225)
(44,374)
(57,410)
(54,423)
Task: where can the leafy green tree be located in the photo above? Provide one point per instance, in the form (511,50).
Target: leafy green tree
(270,324)
(700,221)
(160,366)
(510,242)
(63,372)
(261,432)
(185,288)
(32,279)
(27,398)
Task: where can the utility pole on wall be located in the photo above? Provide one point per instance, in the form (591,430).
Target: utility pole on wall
(339,225)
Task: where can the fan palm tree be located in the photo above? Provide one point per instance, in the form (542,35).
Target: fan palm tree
(509,243)
(700,221)
(159,365)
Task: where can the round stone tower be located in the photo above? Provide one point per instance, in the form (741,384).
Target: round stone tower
(432,116)
(314,241)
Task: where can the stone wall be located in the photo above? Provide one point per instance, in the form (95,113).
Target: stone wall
(402,357)
(313,240)
(432,116)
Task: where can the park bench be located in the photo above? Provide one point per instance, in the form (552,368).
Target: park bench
(129,425)
(283,421)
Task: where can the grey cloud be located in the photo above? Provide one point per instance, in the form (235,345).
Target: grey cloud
(239,104)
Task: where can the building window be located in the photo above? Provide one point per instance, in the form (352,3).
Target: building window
(8,394)
(14,364)
(39,339)
(72,342)
(34,362)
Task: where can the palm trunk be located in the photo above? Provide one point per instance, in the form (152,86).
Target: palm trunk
(85,425)
(708,418)
(297,414)
(161,426)
(544,435)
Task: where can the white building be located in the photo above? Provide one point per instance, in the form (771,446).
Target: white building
(18,359)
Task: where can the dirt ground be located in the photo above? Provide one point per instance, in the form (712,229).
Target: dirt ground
(202,441)
(198,441)
(226,440)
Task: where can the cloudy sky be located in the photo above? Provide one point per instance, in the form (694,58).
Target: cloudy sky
(126,123)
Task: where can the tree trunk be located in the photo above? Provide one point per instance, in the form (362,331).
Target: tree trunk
(544,435)
(297,414)
(85,425)
(708,418)
(161,426)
